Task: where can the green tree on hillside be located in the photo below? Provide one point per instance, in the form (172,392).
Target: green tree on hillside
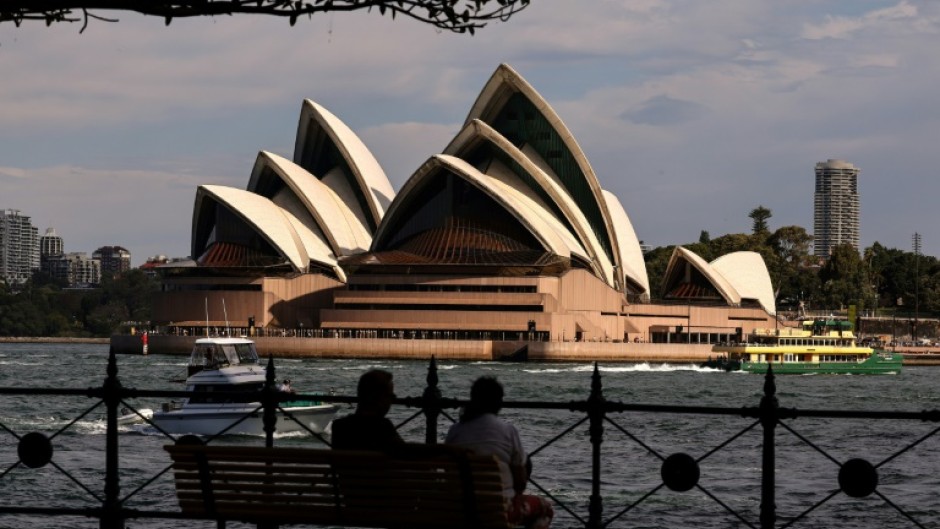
(43,308)
(657,260)
(792,244)
(759,215)
(845,279)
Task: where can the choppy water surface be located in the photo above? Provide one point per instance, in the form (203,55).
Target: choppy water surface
(732,475)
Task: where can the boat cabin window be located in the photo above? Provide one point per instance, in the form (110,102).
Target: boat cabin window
(207,393)
(208,355)
(214,356)
(246,352)
(230,355)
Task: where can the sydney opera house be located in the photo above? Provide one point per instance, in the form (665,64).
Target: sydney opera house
(506,235)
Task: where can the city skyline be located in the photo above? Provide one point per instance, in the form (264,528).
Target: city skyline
(692,115)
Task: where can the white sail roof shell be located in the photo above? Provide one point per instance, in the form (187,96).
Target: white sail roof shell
(372,183)
(721,284)
(631,255)
(502,84)
(513,200)
(477,130)
(747,272)
(533,207)
(342,227)
(264,216)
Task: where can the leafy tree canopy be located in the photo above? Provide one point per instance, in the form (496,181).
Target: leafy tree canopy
(759,215)
(44,308)
(878,278)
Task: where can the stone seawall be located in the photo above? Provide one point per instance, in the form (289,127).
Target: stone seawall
(53,339)
(442,349)
(330,347)
(446,349)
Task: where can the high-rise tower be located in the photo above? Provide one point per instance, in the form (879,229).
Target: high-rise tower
(19,247)
(50,244)
(835,211)
(115,260)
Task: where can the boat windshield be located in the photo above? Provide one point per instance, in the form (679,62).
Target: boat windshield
(209,356)
(214,356)
(245,353)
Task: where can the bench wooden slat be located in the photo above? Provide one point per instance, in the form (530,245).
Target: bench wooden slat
(419,486)
(293,491)
(430,482)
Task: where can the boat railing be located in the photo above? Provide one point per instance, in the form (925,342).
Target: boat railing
(607,428)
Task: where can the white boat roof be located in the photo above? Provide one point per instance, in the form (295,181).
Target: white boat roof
(223,340)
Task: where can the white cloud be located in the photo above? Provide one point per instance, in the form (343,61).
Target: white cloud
(13,172)
(840,27)
(758,92)
(878,60)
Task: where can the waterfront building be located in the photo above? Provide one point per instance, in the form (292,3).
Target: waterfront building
(56,266)
(152,265)
(835,206)
(83,272)
(52,260)
(506,235)
(19,247)
(50,244)
(115,260)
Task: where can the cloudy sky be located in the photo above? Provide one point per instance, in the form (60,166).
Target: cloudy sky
(692,112)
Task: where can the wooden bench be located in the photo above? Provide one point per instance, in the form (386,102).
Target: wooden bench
(417,486)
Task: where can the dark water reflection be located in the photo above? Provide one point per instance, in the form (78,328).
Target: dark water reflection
(629,471)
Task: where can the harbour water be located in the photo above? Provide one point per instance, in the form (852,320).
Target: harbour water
(807,448)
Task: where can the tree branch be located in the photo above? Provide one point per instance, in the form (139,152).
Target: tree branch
(459,16)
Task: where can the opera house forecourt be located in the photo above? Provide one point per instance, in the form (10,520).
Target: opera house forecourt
(503,244)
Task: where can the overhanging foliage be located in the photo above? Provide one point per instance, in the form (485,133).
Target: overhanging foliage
(459,16)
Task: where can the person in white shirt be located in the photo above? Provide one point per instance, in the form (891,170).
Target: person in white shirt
(480,430)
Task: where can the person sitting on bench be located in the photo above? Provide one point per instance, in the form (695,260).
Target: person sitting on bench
(480,430)
(368,428)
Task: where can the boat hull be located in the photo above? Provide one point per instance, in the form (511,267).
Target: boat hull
(211,420)
(128,417)
(876,364)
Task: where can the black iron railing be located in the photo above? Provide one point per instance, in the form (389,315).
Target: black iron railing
(680,472)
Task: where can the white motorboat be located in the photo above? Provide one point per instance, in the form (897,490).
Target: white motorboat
(129,417)
(225,364)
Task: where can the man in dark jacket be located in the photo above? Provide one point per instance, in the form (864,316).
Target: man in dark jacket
(368,428)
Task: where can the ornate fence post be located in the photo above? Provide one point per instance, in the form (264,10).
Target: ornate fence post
(768,420)
(111,517)
(432,403)
(596,405)
(269,403)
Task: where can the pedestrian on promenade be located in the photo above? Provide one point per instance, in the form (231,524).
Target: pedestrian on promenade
(368,428)
(480,430)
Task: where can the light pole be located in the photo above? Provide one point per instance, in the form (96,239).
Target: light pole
(915,239)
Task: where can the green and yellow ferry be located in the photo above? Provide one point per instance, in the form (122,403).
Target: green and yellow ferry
(818,346)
